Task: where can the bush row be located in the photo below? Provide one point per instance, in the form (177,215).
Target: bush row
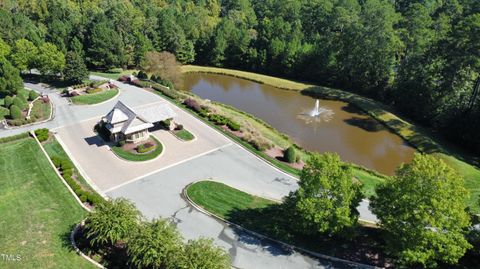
(146,147)
(66,168)
(41,134)
(14,137)
(222,120)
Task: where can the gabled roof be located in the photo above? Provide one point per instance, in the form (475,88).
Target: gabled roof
(139,119)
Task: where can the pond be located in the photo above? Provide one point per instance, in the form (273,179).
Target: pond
(340,127)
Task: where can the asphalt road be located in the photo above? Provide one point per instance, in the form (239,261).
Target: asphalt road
(159,194)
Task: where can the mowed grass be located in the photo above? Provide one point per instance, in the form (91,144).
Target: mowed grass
(184,135)
(37,212)
(369,182)
(221,199)
(40,110)
(134,157)
(94,98)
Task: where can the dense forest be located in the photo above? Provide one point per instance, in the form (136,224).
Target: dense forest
(420,56)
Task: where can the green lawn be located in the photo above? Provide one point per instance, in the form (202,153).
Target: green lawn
(40,110)
(139,157)
(37,212)
(221,199)
(184,135)
(113,76)
(54,149)
(368,181)
(94,98)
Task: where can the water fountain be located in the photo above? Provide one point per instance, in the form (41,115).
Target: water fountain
(317,114)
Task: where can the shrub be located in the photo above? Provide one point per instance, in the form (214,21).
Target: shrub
(179,127)
(19,102)
(121,143)
(15,112)
(42,134)
(123,78)
(13,137)
(165,123)
(233,125)
(146,147)
(114,70)
(289,155)
(32,95)
(142,75)
(8,101)
(192,104)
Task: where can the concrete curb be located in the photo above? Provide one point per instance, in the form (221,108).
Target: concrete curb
(58,174)
(146,161)
(77,250)
(50,117)
(299,249)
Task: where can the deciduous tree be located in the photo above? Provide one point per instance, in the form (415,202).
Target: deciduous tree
(163,65)
(10,80)
(202,254)
(50,61)
(423,210)
(75,69)
(327,198)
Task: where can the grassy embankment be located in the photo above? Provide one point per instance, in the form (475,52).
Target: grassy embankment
(95,98)
(414,135)
(37,211)
(139,157)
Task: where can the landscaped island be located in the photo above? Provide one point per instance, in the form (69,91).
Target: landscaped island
(25,107)
(93,93)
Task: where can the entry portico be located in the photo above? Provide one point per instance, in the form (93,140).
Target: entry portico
(126,124)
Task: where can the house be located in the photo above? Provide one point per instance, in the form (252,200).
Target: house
(132,126)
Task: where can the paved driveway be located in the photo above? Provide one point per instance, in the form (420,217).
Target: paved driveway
(106,170)
(159,195)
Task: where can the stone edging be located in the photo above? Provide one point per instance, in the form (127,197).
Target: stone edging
(108,100)
(58,173)
(78,251)
(299,249)
(51,117)
(72,234)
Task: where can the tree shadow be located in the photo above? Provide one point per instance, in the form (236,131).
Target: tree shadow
(276,222)
(367,124)
(352,109)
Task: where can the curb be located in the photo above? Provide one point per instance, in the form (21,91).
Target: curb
(50,118)
(299,249)
(58,173)
(146,161)
(77,250)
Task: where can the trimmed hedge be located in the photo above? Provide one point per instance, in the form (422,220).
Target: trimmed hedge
(42,134)
(289,155)
(15,112)
(66,168)
(14,137)
(8,101)
(114,70)
(32,95)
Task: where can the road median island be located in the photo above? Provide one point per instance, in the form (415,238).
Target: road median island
(266,219)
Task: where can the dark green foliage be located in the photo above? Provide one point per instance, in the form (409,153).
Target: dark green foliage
(142,75)
(10,80)
(8,101)
(15,112)
(114,70)
(32,95)
(75,69)
(20,102)
(420,56)
(42,134)
(290,155)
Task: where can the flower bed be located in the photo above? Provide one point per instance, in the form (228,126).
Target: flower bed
(139,153)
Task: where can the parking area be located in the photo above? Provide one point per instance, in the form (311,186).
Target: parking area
(106,170)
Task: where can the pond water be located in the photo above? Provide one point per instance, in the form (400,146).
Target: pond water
(339,127)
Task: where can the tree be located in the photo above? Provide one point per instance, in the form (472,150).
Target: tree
(112,221)
(163,65)
(10,80)
(75,69)
(24,54)
(155,244)
(4,48)
(50,61)
(15,112)
(202,254)
(423,210)
(327,198)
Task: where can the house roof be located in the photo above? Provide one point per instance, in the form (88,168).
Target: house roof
(136,120)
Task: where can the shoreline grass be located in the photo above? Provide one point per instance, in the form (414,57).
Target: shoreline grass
(95,98)
(139,157)
(37,211)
